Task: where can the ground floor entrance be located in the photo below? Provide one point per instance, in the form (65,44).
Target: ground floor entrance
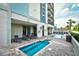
(29,30)
(20,30)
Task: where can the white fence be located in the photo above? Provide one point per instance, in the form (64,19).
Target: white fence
(75,45)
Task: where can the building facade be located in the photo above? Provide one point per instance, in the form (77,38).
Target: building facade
(50,15)
(23,19)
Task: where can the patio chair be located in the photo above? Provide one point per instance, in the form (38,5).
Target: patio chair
(29,36)
(17,39)
(32,36)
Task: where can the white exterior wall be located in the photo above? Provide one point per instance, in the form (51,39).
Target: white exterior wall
(5,25)
(17,30)
(46,31)
(4,4)
(39,32)
(34,10)
(9,25)
(46,15)
(31,29)
(22,18)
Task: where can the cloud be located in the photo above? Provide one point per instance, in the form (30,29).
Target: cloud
(64,12)
(67,11)
(74,5)
(77,5)
(58,7)
(61,22)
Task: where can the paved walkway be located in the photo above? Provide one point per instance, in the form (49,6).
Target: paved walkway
(59,47)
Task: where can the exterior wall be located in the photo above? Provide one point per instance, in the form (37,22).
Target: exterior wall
(39,30)
(5,25)
(46,31)
(34,10)
(17,30)
(25,19)
(9,25)
(46,15)
(4,4)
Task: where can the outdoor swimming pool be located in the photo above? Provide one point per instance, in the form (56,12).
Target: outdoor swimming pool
(33,48)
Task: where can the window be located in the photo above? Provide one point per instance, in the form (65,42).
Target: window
(20,8)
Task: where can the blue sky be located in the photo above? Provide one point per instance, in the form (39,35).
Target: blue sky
(65,11)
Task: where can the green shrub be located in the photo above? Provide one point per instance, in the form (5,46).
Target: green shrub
(25,38)
(76,36)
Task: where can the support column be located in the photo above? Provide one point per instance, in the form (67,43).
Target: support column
(5,25)
(9,26)
(45,31)
(46,26)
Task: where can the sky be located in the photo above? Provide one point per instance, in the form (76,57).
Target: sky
(65,11)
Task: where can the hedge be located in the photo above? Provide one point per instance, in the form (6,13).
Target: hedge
(75,35)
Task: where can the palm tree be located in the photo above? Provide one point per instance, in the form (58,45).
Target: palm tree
(76,28)
(67,27)
(70,22)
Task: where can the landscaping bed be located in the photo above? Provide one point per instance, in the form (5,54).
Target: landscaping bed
(75,35)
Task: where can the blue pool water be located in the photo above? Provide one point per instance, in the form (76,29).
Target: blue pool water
(33,48)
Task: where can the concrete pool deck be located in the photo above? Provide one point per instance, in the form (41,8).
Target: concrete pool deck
(59,47)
